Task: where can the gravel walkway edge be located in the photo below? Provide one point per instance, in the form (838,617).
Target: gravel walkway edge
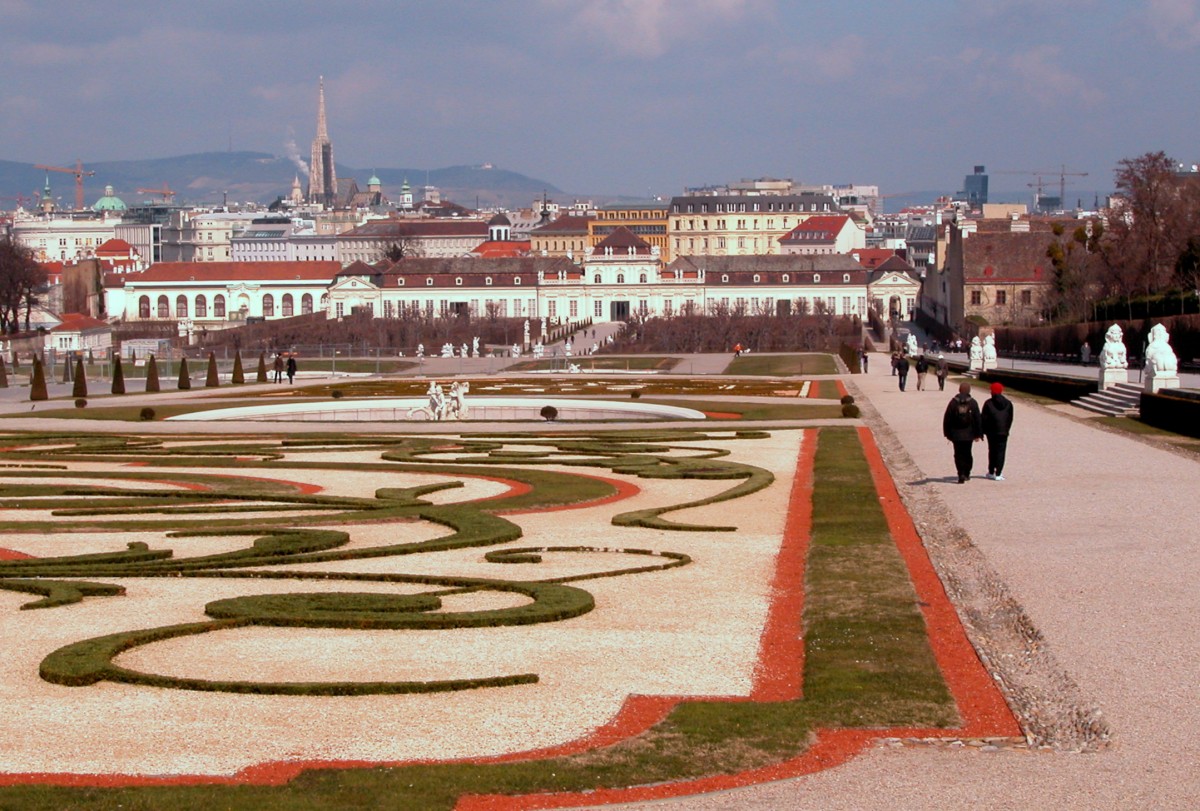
(1050,707)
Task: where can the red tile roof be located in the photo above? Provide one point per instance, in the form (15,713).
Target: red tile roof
(78,322)
(872,257)
(494,249)
(115,246)
(822,229)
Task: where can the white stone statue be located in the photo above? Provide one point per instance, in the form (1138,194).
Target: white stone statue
(526,330)
(990,358)
(539,349)
(976,355)
(466,353)
(911,346)
(573,368)
(456,406)
(1112,356)
(1112,359)
(516,350)
(421,351)
(447,350)
(567,348)
(475,347)
(1162,366)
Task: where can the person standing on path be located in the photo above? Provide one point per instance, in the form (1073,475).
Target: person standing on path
(922,370)
(963,426)
(943,371)
(902,371)
(278,366)
(997,417)
(291,369)
(895,363)
(863,360)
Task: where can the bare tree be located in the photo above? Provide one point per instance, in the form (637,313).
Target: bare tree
(21,279)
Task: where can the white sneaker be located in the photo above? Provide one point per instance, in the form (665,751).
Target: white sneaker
(997,478)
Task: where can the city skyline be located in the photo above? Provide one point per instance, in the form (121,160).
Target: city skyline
(612,97)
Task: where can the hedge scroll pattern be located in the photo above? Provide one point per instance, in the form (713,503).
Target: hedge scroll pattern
(187,489)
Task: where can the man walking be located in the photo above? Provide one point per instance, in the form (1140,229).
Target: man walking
(943,371)
(963,426)
(902,371)
(863,359)
(997,417)
(922,370)
(278,366)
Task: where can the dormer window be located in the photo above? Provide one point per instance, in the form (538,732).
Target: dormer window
(786,278)
(429,281)
(816,278)
(846,278)
(400,282)
(488,281)
(757,279)
(517,280)
(458,281)
(725,278)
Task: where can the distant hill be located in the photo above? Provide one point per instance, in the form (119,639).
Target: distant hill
(258,177)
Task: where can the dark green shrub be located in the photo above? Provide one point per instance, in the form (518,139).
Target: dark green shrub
(80,388)
(118,384)
(80,402)
(146,413)
(635,394)
(850,411)
(152,375)
(549,413)
(337,394)
(847,399)
(37,381)
(239,375)
(185,379)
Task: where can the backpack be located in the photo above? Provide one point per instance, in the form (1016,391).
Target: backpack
(962,412)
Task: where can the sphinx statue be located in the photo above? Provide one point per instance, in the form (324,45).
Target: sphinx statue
(990,358)
(1112,359)
(975,354)
(1162,366)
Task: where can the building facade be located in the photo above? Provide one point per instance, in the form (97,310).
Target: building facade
(739,225)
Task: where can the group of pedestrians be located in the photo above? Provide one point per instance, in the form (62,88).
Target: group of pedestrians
(964,423)
(280,366)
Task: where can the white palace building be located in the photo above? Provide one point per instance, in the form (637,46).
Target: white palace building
(619,278)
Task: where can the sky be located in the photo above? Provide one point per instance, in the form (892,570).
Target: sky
(616,97)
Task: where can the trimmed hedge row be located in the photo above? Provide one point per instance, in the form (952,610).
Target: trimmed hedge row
(1175,410)
(1064,389)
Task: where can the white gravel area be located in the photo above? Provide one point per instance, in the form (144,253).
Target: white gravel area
(691,630)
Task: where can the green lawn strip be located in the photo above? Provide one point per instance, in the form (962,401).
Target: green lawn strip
(601,362)
(799,409)
(808,363)
(868,663)
(827,390)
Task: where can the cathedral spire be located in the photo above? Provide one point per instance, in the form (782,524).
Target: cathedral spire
(322,177)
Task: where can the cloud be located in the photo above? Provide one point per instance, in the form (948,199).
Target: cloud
(649,28)
(1037,74)
(838,59)
(1176,23)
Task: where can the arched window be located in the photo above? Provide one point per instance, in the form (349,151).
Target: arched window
(620,278)
(181,308)
(288,306)
(144,307)
(596,279)
(642,279)
(201,307)
(164,307)
(268,306)
(218,306)
(306,304)
(324,301)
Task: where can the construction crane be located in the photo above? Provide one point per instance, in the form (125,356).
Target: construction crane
(79,173)
(1039,182)
(165,192)
(20,198)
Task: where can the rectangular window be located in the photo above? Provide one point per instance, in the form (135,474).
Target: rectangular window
(845,305)
(574,307)
(552,308)
(340,309)
(1001,297)
(1027,297)
(976,298)
(598,309)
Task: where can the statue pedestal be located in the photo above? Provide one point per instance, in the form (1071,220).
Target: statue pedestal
(1111,377)
(990,363)
(976,365)
(1154,382)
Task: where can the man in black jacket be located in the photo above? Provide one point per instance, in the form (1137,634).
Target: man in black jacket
(902,371)
(997,417)
(962,425)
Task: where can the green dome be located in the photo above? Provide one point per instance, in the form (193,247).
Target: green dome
(109,202)
(374,181)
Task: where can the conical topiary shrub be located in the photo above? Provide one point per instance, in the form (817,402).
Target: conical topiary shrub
(118,384)
(262,368)
(152,375)
(238,377)
(37,381)
(91,358)
(185,380)
(16,361)
(214,378)
(3,374)
(80,388)
(68,367)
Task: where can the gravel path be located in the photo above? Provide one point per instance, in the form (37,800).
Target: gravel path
(1094,536)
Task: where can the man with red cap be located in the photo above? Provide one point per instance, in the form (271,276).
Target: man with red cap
(997,420)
